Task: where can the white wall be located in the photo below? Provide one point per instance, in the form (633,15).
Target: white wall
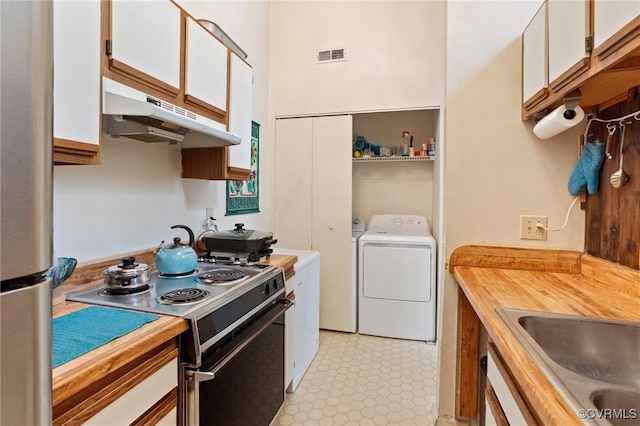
(393,188)
(130,201)
(496,169)
(395,52)
(393,49)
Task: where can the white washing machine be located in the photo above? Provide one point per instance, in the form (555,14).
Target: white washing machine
(357,229)
(397,278)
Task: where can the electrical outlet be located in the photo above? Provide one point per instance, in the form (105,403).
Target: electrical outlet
(209,213)
(529,230)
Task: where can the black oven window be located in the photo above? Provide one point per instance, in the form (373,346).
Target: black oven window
(250,389)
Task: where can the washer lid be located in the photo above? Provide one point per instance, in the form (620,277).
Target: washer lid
(380,237)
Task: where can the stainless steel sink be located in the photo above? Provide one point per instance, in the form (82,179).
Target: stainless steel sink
(593,363)
(619,402)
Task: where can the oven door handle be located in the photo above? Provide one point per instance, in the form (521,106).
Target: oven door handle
(204,376)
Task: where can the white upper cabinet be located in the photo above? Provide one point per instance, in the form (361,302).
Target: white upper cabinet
(568,30)
(240,110)
(146,37)
(610,16)
(205,68)
(534,59)
(586,40)
(76,57)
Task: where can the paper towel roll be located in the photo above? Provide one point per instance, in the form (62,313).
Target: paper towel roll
(555,122)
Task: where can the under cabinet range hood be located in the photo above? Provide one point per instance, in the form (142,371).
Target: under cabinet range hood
(133,114)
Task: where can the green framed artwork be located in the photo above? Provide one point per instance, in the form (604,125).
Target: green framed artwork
(242,195)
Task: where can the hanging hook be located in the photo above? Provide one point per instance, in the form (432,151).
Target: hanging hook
(624,122)
(611,129)
(637,116)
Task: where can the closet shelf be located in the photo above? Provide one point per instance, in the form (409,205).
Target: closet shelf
(393,158)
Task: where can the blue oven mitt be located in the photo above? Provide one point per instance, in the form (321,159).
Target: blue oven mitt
(586,173)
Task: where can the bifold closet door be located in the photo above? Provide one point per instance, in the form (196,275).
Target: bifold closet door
(331,220)
(293,174)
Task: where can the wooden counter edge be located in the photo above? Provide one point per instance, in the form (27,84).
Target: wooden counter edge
(73,376)
(502,257)
(467,356)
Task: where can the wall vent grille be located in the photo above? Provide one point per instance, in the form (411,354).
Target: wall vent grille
(331,55)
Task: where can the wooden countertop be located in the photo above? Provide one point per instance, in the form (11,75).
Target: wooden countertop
(80,373)
(285,261)
(556,281)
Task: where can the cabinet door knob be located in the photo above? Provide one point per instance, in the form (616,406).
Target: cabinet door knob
(331,226)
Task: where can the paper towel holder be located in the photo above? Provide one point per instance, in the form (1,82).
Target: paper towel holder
(570,101)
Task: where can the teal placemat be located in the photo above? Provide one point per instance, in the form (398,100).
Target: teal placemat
(79,332)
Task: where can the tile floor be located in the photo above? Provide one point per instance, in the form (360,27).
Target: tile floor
(365,380)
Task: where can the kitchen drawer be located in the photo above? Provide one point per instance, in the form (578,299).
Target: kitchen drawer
(141,397)
(140,392)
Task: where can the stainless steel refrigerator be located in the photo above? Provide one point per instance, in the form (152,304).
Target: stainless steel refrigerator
(26,78)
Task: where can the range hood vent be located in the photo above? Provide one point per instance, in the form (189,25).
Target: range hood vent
(136,115)
(145,129)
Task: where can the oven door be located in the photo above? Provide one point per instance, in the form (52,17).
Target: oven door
(241,379)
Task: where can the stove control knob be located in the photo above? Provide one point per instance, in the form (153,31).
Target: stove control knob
(267,288)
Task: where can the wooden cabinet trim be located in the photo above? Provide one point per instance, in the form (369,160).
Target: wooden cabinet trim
(619,40)
(570,75)
(513,388)
(494,405)
(538,97)
(159,410)
(210,164)
(467,359)
(220,115)
(81,406)
(204,163)
(238,173)
(142,81)
(67,152)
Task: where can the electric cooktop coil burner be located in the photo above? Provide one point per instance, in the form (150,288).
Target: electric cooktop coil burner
(220,276)
(183,275)
(123,291)
(183,296)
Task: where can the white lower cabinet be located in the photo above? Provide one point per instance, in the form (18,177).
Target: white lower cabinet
(504,404)
(128,407)
(302,336)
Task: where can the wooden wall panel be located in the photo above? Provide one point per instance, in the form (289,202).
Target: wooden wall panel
(613,215)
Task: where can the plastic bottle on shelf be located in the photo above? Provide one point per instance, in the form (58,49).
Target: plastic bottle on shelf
(431,148)
(406,136)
